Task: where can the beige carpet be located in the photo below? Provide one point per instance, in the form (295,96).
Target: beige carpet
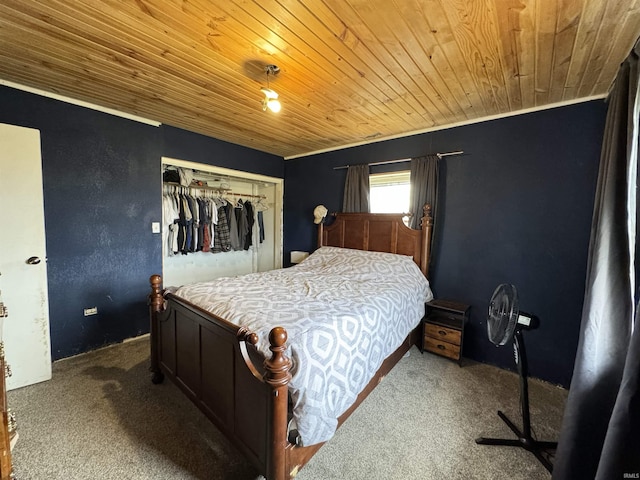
(101,418)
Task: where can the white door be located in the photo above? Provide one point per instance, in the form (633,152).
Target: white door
(23,266)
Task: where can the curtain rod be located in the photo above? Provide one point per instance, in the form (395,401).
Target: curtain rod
(387,162)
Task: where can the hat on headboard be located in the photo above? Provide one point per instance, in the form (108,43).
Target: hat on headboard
(319,213)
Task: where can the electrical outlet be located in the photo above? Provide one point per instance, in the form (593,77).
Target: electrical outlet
(90,311)
(155,227)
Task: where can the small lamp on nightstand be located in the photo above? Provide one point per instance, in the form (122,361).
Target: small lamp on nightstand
(297,256)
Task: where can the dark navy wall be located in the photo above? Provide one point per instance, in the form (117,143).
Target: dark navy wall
(515,208)
(102,191)
(185,145)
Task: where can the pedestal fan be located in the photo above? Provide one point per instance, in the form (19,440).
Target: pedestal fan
(504,322)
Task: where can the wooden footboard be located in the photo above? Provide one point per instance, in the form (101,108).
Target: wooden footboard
(217,366)
(215,363)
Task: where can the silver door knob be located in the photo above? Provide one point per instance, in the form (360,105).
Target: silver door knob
(33,260)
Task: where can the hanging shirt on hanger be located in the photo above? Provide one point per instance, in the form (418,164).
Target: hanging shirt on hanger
(234,237)
(260,207)
(261,226)
(248,208)
(222,237)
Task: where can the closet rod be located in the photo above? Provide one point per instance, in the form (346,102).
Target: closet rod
(221,191)
(244,195)
(400,160)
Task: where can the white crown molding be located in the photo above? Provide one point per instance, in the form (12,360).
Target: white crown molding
(79,103)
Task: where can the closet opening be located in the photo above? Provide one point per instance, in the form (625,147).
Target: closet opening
(194,256)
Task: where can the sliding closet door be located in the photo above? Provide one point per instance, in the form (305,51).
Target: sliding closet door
(23,261)
(270,249)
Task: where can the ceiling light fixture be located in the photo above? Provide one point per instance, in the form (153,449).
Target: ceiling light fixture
(270,99)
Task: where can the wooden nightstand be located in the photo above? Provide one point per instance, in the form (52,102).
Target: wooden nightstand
(443,328)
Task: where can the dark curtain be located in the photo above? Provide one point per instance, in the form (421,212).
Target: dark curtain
(356,190)
(600,436)
(424,187)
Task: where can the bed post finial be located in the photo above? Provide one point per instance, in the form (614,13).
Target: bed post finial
(277,376)
(427,212)
(156,300)
(278,365)
(156,306)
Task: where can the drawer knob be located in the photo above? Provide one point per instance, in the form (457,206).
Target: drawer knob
(441,347)
(442,332)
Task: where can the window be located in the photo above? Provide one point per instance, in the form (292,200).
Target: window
(389,192)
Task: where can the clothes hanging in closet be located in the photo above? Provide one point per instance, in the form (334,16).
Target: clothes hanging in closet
(197,221)
(259,208)
(242,224)
(221,234)
(248,208)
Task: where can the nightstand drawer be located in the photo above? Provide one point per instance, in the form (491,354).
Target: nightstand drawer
(443,334)
(445,349)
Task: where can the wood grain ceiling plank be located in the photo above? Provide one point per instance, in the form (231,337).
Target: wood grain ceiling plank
(198,100)
(436,17)
(501,65)
(430,29)
(349,48)
(476,35)
(523,24)
(608,31)
(586,36)
(626,37)
(407,60)
(546,15)
(514,30)
(568,18)
(404,58)
(346,25)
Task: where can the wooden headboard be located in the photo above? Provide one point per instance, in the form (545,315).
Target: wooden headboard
(380,232)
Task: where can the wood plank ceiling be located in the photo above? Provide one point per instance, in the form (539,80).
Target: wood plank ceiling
(352,71)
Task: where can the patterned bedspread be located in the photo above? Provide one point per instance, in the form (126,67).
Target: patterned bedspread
(344,310)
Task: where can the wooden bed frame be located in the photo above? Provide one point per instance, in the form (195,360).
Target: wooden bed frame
(217,366)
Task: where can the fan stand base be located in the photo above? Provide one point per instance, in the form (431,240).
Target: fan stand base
(525,441)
